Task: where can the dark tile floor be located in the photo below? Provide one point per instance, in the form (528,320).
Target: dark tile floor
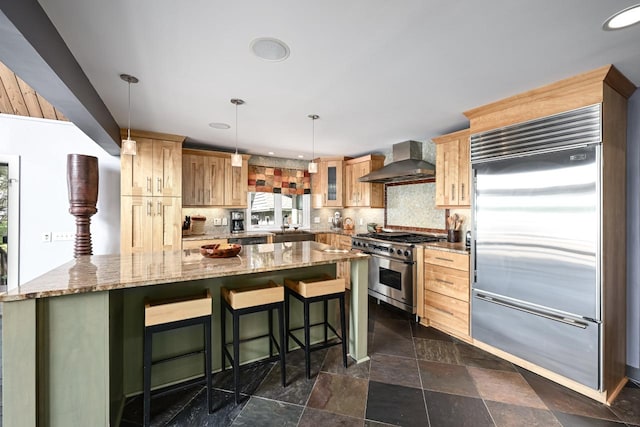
(417,376)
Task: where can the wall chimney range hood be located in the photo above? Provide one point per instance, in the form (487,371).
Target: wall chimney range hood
(407,165)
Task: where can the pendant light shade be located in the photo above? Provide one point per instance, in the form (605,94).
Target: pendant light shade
(128,146)
(236,159)
(313,166)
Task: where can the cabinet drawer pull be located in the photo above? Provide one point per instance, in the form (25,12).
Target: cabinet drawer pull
(444,259)
(443,311)
(453,191)
(159,211)
(159,185)
(462,192)
(149,208)
(445,282)
(149,184)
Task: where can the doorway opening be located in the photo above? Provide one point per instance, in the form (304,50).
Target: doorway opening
(9,221)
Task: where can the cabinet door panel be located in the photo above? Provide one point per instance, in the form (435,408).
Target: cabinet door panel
(334,183)
(167,174)
(464,161)
(192,180)
(214,185)
(167,233)
(136,171)
(136,223)
(236,182)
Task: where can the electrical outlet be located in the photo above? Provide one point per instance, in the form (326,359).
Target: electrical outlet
(224,220)
(46,237)
(216,221)
(62,235)
(329,220)
(316,220)
(361,221)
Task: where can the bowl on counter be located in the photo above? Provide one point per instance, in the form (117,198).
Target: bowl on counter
(224,250)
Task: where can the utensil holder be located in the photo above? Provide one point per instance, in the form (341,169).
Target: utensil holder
(453,236)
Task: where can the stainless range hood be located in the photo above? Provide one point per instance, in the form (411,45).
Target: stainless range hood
(407,165)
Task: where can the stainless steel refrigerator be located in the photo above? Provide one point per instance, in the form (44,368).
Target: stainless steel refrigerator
(536,249)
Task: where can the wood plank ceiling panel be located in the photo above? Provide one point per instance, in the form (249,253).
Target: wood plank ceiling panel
(20,99)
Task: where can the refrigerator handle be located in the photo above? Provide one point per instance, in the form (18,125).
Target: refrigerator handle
(507,304)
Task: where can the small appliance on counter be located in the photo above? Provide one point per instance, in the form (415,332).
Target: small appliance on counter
(237,221)
(467,239)
(336,221)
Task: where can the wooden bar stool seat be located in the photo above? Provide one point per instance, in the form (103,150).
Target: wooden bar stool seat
(165,315)
(309,291)
(248,300)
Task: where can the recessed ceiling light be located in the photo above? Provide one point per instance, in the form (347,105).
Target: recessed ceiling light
(624,18)
(219,125)
(269,49)
(271,153)
(300,156)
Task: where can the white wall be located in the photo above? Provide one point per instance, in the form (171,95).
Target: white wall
(43,146)
(633,235)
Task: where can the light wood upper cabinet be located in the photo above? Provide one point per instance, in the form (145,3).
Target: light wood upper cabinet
(327,186)
(363,194)
(452,170)
(235,183)
(210,180)
(150,224)
(156,169)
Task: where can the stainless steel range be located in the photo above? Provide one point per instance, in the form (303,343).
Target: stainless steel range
(392,266)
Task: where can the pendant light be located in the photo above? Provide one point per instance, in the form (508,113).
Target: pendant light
(313,166)
(128,145)
(236,159)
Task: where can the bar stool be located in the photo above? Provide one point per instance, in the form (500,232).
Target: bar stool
(247,300)
(160,316)
(309,291)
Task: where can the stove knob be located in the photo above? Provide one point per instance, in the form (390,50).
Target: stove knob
(399,252)
(406,253)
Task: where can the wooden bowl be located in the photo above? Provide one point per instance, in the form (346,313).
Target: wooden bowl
(224,250)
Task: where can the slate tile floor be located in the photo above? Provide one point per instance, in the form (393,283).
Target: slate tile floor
(417,376)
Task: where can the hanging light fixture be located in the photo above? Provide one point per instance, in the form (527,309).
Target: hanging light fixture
(236,159)
(128,145)
(313,166)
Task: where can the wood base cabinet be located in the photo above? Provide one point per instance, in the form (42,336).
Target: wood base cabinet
(446,292)
(150,224)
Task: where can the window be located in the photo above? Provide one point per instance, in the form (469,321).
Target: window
(272,210)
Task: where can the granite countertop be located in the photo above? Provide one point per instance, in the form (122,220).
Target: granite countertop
(97,273)
(229,235)
(448,247)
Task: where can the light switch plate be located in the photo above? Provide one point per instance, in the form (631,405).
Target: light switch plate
(316,220)
(224,220)
(216,221)
(361,221)
(329,220)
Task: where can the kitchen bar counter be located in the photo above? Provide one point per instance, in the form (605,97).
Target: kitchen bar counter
(109,272)
(75,334)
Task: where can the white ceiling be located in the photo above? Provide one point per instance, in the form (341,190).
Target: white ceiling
(376,71)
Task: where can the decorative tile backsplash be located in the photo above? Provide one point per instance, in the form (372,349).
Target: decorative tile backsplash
(413,205)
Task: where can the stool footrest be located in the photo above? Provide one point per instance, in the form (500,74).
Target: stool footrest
(178,356)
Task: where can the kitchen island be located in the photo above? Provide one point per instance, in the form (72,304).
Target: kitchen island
(72,338)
